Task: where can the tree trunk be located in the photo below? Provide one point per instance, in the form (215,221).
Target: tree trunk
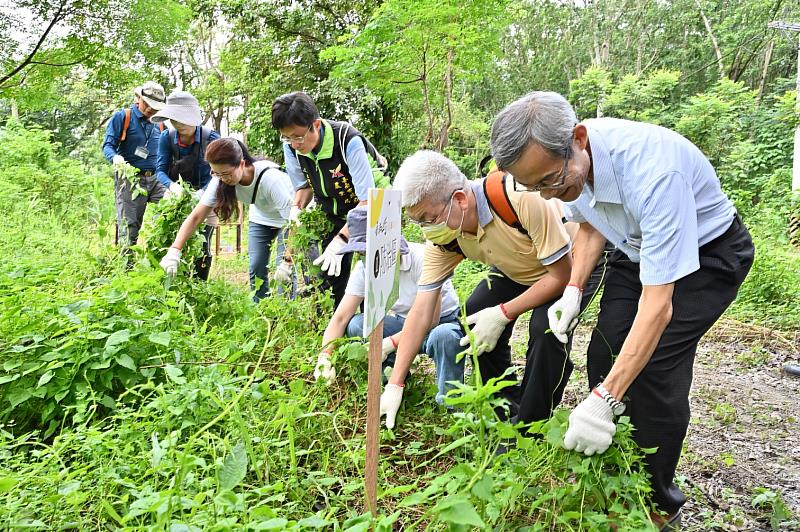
(426,98)
(762,80)
(713,38)
(444,132)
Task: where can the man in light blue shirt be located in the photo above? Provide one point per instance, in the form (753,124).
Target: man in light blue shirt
(682,253)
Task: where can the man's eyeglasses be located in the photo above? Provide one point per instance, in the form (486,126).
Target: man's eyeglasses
(427,223)
(548,183)
(296,140)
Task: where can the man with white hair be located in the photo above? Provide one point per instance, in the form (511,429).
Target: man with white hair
(528,273)
(133,139)
(682,253)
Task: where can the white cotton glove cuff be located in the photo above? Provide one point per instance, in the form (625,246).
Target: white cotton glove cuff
(591,426)
(563,314)
(387,348)
(175,189)
(294,214)
(324,369)
(171,261)
(330,261)
(391,398)
(118,160)
(283,273)
(489,324)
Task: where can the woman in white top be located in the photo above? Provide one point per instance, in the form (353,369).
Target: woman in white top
(262,185)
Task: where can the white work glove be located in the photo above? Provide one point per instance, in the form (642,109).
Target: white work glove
(171,260)
(118,160)
(387,348)
(489,324)
(324,369)
(591,426)
(330,261)
(391,398)
(283,273)
(563,314)
(294,214)
(175,189)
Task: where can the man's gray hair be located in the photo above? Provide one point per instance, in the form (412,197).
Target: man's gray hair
(545,118)
(428,175)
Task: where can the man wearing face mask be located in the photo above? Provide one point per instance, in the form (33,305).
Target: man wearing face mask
(528,272)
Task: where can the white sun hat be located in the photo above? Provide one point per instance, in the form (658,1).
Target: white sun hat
(181,107)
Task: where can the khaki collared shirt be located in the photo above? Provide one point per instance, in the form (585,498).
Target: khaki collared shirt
(521,258)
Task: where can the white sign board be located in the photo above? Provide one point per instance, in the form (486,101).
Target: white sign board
(383,255)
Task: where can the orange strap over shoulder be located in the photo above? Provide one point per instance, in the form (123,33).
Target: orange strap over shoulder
(494,187)
(127,123)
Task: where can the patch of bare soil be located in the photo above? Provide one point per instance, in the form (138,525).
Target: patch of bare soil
(744,435)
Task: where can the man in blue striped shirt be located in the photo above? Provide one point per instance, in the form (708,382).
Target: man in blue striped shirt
(682,253)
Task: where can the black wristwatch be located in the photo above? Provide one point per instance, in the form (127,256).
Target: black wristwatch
(617,407)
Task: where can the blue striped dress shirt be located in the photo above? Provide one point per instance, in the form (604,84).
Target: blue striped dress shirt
(655,196)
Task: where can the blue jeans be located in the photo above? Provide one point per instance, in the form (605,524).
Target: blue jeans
(441,344)
(259,245)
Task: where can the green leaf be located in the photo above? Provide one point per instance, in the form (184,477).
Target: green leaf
(276,523)
(8,378)
(313,522)
(483,488)
(459,511)
(96,335)
(17,397)
(175,374)
(126,361)
(6,483)
(160,338)
(117,338)
(234,467)
(44,379)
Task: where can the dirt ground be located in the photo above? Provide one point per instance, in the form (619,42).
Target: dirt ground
(745,429)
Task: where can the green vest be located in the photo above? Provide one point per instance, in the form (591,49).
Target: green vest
(327,171)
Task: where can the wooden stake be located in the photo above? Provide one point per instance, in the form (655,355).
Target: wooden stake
(373,418)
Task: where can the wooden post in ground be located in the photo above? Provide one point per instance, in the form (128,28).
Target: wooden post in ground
(382,278)
(373,418)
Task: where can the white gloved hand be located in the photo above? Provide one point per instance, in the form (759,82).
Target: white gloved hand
(175,189)
(171,260)
(330,261)
(489,324)
(118,160)
(387,348)
(324,369)
(591,426)
(294,214)
(283,273)
(391,398)
(563,314)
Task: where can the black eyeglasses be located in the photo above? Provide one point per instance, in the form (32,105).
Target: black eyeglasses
(551,183)
(298,140)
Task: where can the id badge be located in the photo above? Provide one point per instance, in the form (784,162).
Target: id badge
(142,152)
